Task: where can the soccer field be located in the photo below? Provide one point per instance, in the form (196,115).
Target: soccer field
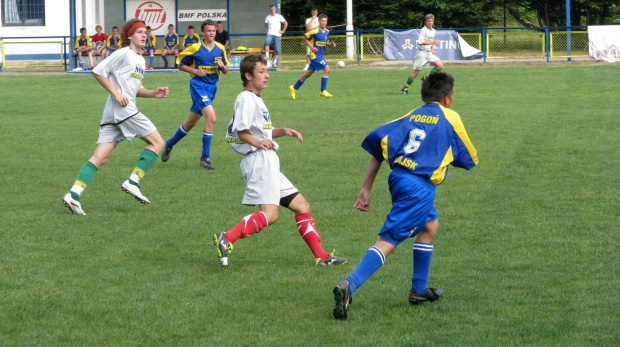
(527,249)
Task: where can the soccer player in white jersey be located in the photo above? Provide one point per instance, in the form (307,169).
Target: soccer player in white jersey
(121,75)
(426,52)
(250,133)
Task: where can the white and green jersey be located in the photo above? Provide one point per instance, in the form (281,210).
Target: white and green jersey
(426,34)
(251,114)
(125,70)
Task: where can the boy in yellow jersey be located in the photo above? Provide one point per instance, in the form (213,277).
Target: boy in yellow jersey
(113,42)
(171,46)
(82,44)
(151,43)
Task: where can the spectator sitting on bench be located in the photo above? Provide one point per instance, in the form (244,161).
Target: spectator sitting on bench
(151,42)
(114,42)
(99,41)
(171,46)
(82,44)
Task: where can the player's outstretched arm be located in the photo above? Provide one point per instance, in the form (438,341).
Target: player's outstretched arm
(159,92)
(279,132)
(363,199)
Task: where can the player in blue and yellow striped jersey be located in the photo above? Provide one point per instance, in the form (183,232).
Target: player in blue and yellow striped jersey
(151,43)
(203,61)
(418,147)
(190,38)
(316,40)
(113,42)
(171,46)
(82,44)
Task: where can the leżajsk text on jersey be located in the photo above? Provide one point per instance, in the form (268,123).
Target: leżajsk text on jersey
(424,142)
(199,56)
(318,39)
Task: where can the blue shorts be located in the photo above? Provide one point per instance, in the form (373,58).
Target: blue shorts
(412,206)
(277,40)
(317,64)
(169,47)
(149,49)
(202,95)
(111,50)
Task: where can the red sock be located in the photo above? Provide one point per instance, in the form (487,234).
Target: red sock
(249,225)
(308,232)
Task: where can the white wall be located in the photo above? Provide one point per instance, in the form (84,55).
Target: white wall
(56,22)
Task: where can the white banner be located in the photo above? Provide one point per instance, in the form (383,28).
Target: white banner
(604,42)
(201,15)
(157,14)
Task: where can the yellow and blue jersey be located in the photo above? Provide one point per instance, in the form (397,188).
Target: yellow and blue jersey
(318,39)
(151,42)
(190,40)
(199,56)
(171,40)
(424,142)
(113,42)
(82,41)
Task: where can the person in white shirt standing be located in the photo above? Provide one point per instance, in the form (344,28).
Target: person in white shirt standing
(426,52)
(275,29)
(121,76)
(311,24)
(251,133)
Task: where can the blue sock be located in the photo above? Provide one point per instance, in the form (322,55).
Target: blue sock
(151,60)
(422,253)
(177,137)
(206,144)
(371,262)
(323,83)
(164,58)
(298,84)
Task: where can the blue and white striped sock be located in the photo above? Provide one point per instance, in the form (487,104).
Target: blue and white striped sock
(371,262)
(422,254)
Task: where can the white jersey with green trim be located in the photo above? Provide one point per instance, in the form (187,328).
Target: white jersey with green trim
(125,70)
(251,114)
(426,35)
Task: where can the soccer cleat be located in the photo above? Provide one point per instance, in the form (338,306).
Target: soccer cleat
(405,90)
(431,294)
(165,64)
(425,77)
(73,204)
(342,299)
(331,260)
(325,94)
(165,156)
(134,190)
(206,163)
(293,92)
(223,248)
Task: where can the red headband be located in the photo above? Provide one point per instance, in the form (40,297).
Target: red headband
(135,27)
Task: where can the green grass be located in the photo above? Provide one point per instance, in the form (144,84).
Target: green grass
(527,251)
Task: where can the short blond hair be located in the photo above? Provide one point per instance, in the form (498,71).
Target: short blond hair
(429,16)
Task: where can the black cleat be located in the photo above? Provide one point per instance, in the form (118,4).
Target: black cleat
(206,163)
(342,299)
(431,294)
(405,90)
(165,156)
(165,64)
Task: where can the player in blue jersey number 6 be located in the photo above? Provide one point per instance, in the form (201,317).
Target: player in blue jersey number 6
(121,75)
(418,148)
